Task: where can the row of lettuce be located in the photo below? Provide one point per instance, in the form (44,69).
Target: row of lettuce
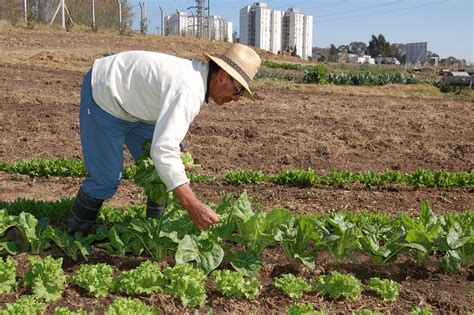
(242,235)
(46,280)
(299,178)
(321,75)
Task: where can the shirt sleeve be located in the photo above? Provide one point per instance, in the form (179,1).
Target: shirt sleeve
(171,127)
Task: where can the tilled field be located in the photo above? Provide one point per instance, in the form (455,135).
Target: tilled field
(289,126)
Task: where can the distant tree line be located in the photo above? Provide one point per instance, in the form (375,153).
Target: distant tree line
(378,47)
(42,11)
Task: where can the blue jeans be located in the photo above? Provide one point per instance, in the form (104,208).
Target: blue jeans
(102,138)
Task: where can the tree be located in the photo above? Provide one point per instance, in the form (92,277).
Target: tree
(333,53)
(235,37)
(379,47)
(358,48)
(398,51)
(343,48)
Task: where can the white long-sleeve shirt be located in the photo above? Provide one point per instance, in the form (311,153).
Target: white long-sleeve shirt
(154,88)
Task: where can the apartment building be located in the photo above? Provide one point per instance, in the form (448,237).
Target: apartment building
(275,31)
(297,33)
(260,27)
(214,27)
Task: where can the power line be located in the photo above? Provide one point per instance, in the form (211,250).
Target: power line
(383,12)
(355,10)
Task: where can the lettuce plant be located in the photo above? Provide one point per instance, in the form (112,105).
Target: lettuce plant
(187,283)
(95,279)
(292,286)
(387,289)
(233,284)
(146,278)
(129,306)
(303,309)
(8,281)
(24,305)
(366,312)
(46,278)
(66,311)
(337,285)
(421,311)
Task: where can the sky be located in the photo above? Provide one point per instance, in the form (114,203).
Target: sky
(447,25)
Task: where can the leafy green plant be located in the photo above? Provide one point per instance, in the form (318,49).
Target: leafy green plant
(207,254)
(111,215)
(146,278)
(186,283)
(71,246)
(147,177)
(387,289)
(46,278)
(24,305)
(292,286)
(66,311)
(296,235)
(315,74)
(55,210)
(340,237)
(337,285)
(303,309)
(39,167)
(8,281)
(232,284)
(422,233)
(34,232)
(421,310)
(95,279)
(129,306)
(456,243)
(245,177)
(298,178)
(366,312)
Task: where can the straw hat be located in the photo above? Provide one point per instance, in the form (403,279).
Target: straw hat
(241,63)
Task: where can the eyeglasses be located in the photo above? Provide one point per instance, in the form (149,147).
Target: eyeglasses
(239,91)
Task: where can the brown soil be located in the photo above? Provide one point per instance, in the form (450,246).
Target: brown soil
(289,126)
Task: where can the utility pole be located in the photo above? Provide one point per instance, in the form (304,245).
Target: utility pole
(143,19)
(209,19)
(63,20)
(93,15)
(162,22)
(25,6)
(200,17)
(120,14)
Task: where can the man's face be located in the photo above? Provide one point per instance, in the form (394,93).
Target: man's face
(224,88)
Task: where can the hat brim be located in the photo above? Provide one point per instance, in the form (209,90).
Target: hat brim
(234,74)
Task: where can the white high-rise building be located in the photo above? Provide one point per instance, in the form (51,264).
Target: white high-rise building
(177,24)
(219,29)
(214,27)
(297,33)
(273,30)
(260,27)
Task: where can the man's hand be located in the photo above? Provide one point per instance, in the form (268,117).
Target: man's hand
(202,215)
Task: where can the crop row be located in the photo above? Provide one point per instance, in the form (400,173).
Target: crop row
(299,178)
(46,280)
(448,238)
(320,74)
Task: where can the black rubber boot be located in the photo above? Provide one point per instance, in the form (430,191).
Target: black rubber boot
(153,210)
(83,213)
